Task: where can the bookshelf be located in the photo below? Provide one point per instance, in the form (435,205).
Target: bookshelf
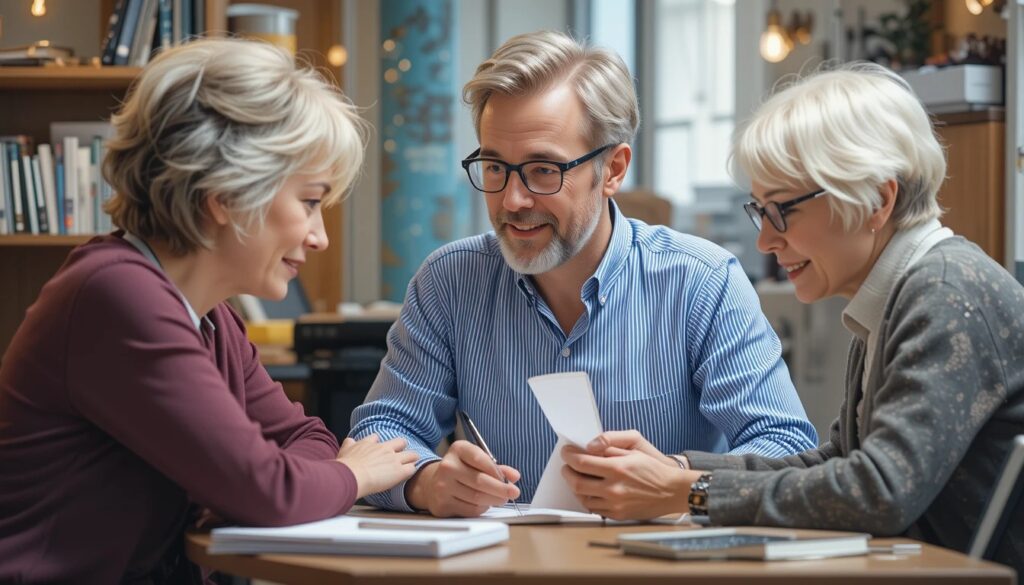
(46,94)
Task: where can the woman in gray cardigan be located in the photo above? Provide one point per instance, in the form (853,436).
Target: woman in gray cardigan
(845,168)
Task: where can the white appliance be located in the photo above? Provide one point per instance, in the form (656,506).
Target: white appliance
(959,88)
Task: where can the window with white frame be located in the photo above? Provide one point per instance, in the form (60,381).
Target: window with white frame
(693,96)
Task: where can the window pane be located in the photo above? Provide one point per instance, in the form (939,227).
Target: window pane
(674,164)
(714,137)
(679,48)
(613,25)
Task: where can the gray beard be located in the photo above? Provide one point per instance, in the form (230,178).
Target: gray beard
(557,252)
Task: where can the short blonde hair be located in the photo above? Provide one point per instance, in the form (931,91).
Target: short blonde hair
(228,117)
(530,63)
(847,130)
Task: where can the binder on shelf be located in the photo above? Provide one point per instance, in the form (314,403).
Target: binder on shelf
(70,184)
(40,197)
(6,192)
(58,179)
(47,175)
(113,33)
(127,34)
(13,161)
(28,195)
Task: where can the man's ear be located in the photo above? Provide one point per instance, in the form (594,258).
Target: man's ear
(888,191)
(216,210)
(615,167)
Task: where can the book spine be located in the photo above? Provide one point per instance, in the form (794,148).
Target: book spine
(143,34)
(199,17)
(176,32)
(113,33)
(5,187)
(28,194)
(84,204)
(58,177)
(45,154)
(166,27)
(71,185)
(14,160)
(40,202)
(128,28)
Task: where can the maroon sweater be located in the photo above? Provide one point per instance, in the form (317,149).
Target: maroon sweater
(117,414)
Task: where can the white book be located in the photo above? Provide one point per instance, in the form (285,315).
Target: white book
(6,204)
(30,194)
(71,210)
(19,211)
(352,535)
(49,189)
(40,202)
(84,203)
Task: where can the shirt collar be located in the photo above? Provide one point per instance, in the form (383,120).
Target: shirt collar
(143,247)
(864,313)
(611,263)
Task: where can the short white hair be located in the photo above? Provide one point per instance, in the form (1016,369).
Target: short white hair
(228,117)
(847,130)
(531,63)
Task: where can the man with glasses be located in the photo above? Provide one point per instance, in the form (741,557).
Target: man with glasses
(666,325)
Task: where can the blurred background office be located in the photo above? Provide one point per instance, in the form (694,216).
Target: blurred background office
(701,66)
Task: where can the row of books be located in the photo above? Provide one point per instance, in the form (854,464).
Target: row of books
(56,190)
(138,28)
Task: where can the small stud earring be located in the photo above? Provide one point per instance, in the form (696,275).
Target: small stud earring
(872,230)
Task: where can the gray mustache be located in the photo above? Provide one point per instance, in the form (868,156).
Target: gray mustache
(527,218)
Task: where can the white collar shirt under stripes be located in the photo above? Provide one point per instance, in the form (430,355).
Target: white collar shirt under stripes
(672,337)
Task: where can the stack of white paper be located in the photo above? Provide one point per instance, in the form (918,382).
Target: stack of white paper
(350,535)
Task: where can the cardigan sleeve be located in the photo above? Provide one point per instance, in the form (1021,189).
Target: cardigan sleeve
(941,380)
(137,368)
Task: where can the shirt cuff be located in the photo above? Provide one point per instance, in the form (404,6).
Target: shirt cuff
(394,498)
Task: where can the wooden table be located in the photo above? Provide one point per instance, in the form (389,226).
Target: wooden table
(560,555)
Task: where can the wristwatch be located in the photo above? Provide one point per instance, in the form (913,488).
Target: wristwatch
(698,498)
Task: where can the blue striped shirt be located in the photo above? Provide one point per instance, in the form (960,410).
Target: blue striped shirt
(672,337)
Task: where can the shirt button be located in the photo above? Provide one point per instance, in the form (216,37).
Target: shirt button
(603,299)
(566,351)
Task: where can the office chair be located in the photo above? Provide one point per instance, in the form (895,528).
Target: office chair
(1002,507)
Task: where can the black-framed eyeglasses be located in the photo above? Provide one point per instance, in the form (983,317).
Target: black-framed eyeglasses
(541,177)
(776,212)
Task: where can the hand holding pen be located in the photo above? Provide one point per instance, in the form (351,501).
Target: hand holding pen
(477,438)
(463,483)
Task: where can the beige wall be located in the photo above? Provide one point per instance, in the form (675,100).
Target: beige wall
(959,22)
(67,23)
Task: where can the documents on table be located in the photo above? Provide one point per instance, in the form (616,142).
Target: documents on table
(567,400)
(534,515)
(351,535)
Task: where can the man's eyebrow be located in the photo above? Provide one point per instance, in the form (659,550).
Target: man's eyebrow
(535,155)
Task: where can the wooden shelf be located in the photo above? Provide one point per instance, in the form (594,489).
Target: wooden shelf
(68,78)
(26,240)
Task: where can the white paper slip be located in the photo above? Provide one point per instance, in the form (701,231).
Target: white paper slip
(533,515)
(567,400)
(352,535)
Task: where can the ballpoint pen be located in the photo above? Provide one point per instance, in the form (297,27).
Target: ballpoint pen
(478,440)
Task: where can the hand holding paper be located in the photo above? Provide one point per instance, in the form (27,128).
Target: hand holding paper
(567,400)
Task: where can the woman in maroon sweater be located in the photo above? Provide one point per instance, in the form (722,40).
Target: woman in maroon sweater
(130,397)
